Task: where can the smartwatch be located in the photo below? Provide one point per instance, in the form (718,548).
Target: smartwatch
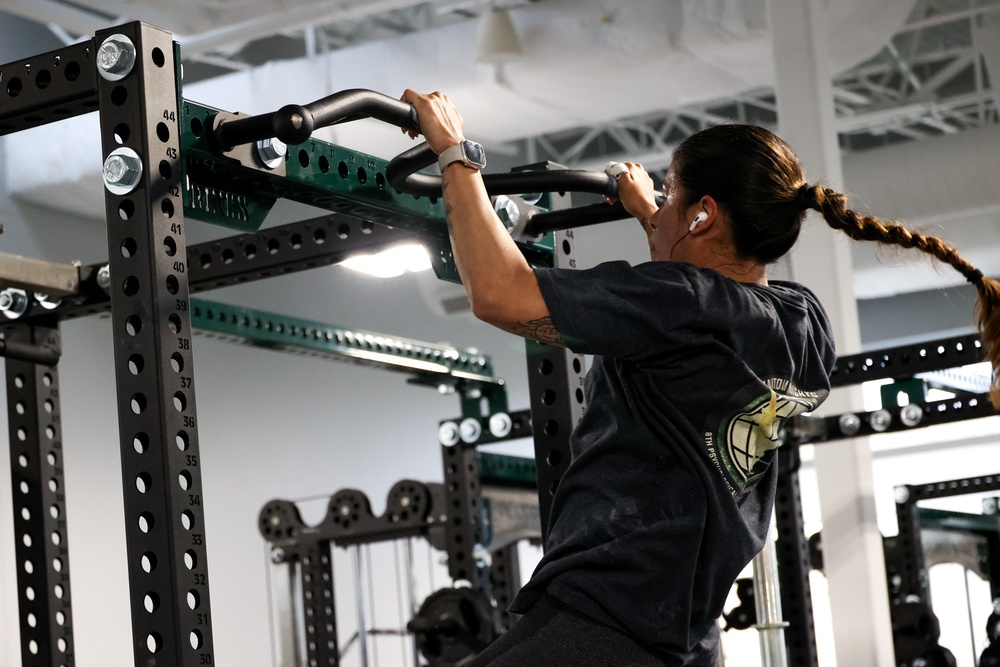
(468,153)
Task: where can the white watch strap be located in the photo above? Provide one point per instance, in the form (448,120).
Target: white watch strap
(454,154)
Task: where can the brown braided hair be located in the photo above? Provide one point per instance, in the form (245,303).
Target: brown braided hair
(757,178)
(833,206)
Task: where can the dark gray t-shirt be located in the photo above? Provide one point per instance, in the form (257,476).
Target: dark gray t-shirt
(670,489)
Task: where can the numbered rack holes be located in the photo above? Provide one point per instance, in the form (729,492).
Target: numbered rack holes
(172,285)
(14,87)
(193,599)
(250,251)
(166,171)
(324,164)
(182,440)
(138,404)
(26,514)
(579,395)
(180,401)
(167,207)
(545,367)
(154,643)
(342,169)
(196,126)
(158,58)
(177,362)
(54,511)
(196,640)
(184,480)
(304,159)
(23,486)
(162,132)
(50,432)
(551,427)
(19,381)
(53,485)
(56,538)
(190,559)
(48,406)
(33,647)
(126,209)
(143,482)
(362,175)
(174,321)
(72,71)
(169,245)
(187,519)
(148,562)
(151,602)
(47,380)
(130,286)
(51,459)
(59,591)
(22,460)
(140,443)
(135,364)
(22,434)
(26,540)
(32,620)
(122,133)
(146,522)
(57,565)
(61,645)
(119,96)
(43,79)
(129,248)
(319,236)
(19,407)
(60,618)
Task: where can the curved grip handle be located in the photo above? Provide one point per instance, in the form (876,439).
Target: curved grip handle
(401,173)
(293,123)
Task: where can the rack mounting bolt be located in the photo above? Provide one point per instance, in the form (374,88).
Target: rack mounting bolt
(271,152)
(500,424)
(116,57)
(470,430)
(911,415)
(880,420)
(104,277)
(902,494)
(122,171)
(849,424)
(448,434)
(277,555)
(13,302)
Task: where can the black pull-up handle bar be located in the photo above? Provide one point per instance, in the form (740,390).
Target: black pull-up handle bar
(293,124)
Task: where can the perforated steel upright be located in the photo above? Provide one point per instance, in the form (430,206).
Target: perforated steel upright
(555,381)
(164,516)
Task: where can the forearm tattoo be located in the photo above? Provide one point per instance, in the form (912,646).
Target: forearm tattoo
(543,330)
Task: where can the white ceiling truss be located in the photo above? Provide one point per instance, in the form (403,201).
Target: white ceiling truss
(930,79)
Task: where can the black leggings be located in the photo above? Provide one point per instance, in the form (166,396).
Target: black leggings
(552,634)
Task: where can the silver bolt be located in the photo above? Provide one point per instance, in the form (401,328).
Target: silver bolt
(849,424)
(911,415)
(448,434)
(902,494)
(13,302)
(470,430)
(345,510)
(880,420)
(275,520)
(919,662)
(46,302)
(277,555)
(404,501)
(122,171)
(482,556)
(271,152)
(500,424)
(989,506)
(104,277)
(116,57)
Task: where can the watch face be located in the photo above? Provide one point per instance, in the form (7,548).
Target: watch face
(474,153)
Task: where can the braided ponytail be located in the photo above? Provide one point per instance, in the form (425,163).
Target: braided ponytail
(833,206)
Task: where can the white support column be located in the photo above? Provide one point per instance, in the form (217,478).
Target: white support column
(852,545)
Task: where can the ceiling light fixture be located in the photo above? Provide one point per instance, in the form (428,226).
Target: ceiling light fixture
(497,41)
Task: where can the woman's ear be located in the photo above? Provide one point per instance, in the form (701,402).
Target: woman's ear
(708,210)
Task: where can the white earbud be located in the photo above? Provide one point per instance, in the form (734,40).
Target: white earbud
(698,219)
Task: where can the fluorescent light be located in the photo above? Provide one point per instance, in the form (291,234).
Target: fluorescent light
(396,261)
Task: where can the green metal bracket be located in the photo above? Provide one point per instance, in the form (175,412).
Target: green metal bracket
(914,388)
(427,364)
(504,470)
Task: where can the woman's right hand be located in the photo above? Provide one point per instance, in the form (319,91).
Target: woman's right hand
(637,192)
